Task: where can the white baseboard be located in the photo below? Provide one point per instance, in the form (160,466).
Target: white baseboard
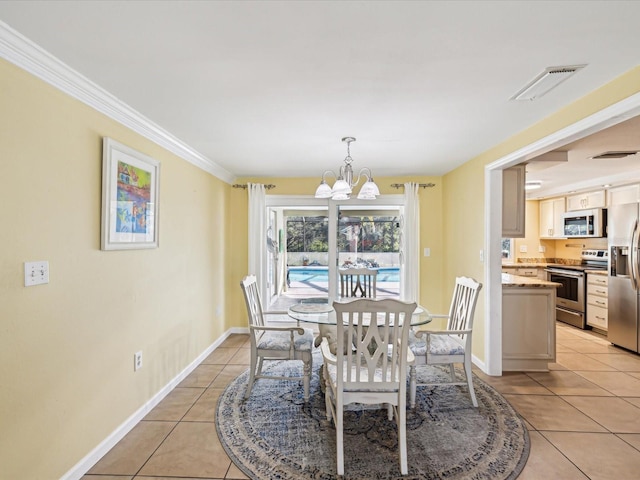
(478,363)
(83,466)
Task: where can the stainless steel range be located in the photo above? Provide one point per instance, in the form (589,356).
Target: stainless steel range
(570,296)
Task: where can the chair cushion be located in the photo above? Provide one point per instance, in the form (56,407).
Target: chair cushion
(439,345)
(281,340)
(417,345)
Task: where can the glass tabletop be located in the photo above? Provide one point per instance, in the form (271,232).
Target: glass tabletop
(323,313)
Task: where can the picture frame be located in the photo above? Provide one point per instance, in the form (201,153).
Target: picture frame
(130,198)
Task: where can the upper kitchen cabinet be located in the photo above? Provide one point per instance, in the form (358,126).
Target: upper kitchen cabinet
(583,201)
(622,195)
(551,212)
(513,202)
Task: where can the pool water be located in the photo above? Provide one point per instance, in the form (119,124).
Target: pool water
(321,274)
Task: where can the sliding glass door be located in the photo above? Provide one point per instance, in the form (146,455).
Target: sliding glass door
(314,238)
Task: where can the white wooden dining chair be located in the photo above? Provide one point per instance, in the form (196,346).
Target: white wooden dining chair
(373,369)
(358,282)
(450,346)
(274,343)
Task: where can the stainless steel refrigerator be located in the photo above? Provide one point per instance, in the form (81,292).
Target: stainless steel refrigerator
(624,275)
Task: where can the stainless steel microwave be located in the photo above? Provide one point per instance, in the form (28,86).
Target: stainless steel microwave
(585,223)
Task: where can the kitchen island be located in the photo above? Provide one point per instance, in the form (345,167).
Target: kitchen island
(528,323)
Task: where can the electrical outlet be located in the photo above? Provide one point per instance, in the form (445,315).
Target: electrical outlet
(523,249)
(137,361)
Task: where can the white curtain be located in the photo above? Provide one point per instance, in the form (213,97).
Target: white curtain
(410,245)
(258,236)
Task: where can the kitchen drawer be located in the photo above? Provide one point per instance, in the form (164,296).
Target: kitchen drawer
(598,301)
(527,272)
(596,279)
(597,317)
(599,290)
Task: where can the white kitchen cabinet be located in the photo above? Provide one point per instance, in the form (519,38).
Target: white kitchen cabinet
(510,270)
(623,195)
(527,272)
(583,201)
(597,301)
(551,212)
(535,272)
(528,328)
(513,202)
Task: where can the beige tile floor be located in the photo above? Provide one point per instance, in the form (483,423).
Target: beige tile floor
(583,417)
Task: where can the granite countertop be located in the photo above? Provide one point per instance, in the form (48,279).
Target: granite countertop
(537,264)
(525,264)
(509,280)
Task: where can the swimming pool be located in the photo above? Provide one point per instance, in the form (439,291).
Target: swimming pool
(321,274)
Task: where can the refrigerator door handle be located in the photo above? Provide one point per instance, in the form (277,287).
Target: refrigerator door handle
(633,257)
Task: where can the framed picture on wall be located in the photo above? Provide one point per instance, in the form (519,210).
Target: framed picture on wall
(130,184)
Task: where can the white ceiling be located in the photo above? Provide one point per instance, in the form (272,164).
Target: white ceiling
(579,172)
(269,88)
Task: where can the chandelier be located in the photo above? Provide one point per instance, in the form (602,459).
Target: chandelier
(343,187)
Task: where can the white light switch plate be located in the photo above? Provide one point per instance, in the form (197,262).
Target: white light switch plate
(523,249)
(36,273)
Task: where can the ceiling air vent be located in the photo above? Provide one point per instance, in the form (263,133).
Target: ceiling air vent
(546,81)
(610,155)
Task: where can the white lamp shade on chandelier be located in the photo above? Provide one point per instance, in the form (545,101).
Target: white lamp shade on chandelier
(343,188)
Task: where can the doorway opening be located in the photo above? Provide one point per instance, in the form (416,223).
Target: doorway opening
(614,114)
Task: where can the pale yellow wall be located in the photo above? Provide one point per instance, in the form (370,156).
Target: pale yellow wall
(572,248)
(532,240)
(66,348)
(464,188)
(464,235)
(431,218)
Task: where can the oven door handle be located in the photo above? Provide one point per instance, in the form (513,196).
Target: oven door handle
(570,312)
(566,273)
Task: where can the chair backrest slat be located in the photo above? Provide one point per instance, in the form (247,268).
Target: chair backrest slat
(376,332)
(463,304)
(254,304)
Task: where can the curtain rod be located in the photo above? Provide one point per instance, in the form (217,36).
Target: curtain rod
(237,185)
(422,185)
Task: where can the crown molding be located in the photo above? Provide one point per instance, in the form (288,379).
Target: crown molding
(22,52)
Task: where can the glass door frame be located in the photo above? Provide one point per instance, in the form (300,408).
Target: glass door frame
(333,206)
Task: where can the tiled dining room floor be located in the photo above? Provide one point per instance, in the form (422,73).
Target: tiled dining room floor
(583,417)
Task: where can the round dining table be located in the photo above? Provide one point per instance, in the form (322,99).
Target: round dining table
(323,314)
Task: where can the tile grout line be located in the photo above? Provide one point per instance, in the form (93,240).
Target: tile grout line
(182,418)
(562,453)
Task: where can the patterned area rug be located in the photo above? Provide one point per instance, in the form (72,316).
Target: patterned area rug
(274,434)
